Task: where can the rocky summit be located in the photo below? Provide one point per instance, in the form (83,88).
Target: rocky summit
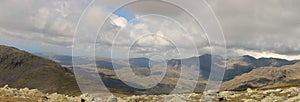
(290,94)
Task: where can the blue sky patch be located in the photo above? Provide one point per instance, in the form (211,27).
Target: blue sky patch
(128,15)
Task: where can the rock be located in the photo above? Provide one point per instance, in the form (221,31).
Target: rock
(267,99)
(211,92)
(249,100)
(291,89)
(226,93)
(293,99)
(278,90)
(6,86)
(177,98)
(235,95)
(44,97)
(249,90)
(272,99)
(87,97)
(154,98)
(112,99)
(257,96)
(271,95)
(272,91)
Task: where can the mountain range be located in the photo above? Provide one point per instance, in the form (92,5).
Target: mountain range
(237,69)
(50,72)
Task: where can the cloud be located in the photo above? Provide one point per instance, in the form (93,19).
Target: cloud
(152,34)
(269,26)
(266,54)
(260,26)
(119,21)
(40,19)
(53,23)
(45,22)
(153,40)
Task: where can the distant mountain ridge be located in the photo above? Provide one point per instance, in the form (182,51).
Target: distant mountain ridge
(266,77)
(235,68)
(244,64)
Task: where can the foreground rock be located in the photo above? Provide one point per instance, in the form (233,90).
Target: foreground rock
(250,95)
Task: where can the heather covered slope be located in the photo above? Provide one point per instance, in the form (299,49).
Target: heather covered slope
(20,69)
(266,77)
(244,64)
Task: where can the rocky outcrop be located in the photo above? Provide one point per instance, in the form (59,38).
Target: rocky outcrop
(290,94)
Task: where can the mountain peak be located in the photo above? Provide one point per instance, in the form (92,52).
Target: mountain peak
(248,57)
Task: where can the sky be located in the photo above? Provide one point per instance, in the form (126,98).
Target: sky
(261,28)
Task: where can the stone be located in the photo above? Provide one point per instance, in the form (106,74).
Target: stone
(225,93)
(249,100)
(177,98)
(257,96)
(112,99)
(249,90)
(291,89)
(272,91)
(6,86)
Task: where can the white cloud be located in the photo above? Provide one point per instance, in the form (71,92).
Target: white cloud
(119,21)
(42,22)
(261,26)
(266,54)
(153,34)
(269,28)
(157,40)
(41,18)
